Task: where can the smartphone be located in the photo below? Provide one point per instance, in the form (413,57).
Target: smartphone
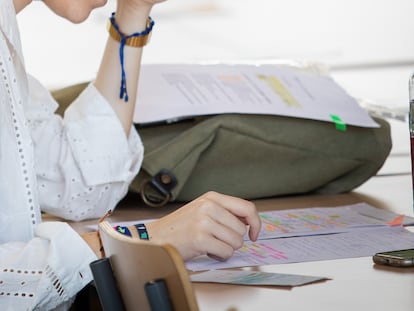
(398,258)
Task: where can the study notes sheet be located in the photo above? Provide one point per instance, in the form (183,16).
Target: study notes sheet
(324,220)
(170,92)
(318,233)
(350,244)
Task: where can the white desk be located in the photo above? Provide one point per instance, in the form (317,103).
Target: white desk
(356,283)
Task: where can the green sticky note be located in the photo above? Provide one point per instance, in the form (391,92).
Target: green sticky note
(339,124)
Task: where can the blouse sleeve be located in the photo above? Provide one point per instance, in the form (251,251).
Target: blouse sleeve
(32,276)
(85,161)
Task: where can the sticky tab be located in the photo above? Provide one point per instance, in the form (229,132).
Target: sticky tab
(339,124)
(397,221)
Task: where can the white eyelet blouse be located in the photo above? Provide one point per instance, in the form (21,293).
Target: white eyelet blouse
(77,167)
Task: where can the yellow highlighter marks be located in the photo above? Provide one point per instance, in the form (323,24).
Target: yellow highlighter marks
(280,90)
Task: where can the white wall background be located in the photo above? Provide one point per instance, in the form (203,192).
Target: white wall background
(339,33)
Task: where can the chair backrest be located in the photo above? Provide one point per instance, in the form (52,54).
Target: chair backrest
(135,263)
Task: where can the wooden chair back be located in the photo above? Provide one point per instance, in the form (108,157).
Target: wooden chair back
(135,262)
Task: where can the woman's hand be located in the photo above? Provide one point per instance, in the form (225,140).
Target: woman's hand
(134,7)
(213,224)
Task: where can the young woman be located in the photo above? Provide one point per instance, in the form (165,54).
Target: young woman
(79,166)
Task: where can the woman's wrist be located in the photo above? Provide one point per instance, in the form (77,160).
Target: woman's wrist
(93,241)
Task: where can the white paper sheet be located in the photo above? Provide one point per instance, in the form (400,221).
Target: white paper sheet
(168,92)
(358,243)
(259,278)
(323,220)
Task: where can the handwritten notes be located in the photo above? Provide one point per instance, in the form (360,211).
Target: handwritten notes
(323,220)
(318,234)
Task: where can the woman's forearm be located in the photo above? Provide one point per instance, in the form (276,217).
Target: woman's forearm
(130,19)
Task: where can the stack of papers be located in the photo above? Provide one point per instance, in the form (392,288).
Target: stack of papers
(311,234)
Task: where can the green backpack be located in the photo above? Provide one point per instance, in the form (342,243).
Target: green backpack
(252,156)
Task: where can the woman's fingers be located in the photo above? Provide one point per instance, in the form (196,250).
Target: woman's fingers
(213,225)
(242,209)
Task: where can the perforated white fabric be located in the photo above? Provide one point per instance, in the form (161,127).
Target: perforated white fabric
(77,167)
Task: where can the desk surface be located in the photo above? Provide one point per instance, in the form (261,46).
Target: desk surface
(356,284)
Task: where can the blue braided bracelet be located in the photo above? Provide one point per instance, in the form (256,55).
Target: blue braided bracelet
(137,39)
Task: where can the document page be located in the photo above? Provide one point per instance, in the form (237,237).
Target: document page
(358,243)
(170,92)
(318,233)
(323,220)
(254,278)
